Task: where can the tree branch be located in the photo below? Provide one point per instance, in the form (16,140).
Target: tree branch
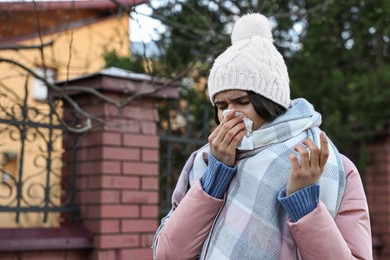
(63,92)
(26,47)
(54,87)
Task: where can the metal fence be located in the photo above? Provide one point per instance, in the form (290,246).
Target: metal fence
(32,180)
(181,133)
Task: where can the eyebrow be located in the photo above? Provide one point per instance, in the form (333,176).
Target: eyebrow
(234,100)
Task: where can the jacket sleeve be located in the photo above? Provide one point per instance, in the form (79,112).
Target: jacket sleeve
(186,229)
(318,236)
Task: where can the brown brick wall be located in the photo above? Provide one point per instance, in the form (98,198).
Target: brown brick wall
(118,180)
(377,187)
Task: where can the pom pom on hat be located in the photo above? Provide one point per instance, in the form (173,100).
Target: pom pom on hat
(251,25)
(251,63)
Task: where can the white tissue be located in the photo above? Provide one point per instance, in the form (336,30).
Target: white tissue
(246,142)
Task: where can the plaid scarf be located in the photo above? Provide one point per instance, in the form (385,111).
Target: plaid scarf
(252,224)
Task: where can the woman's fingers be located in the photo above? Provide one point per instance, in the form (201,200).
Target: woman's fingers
(324,152)
(238,133)
(294,163)
(318,156)
(219,133)
(226,124)
(225,138)
(311,165)
(314,153)
(304,155)
(231,129)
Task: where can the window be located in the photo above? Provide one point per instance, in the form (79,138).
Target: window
(39,88)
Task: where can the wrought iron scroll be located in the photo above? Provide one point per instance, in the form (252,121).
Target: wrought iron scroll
(36,136)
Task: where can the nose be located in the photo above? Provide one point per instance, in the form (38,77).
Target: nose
(231,106)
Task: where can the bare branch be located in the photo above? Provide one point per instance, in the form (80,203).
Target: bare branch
(55,88)
(304,12)
(87,124)
(70,56)
(40,38)
(7,89)
(92,91)
(183,27)
(63,92)
(122,8)
(26,47)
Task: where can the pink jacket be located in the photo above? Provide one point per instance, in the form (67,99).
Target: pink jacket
(317,235)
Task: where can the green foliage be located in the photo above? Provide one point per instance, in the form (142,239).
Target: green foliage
(199,30)
(133,63)
(343,69)
(193,33)
(202,114)
(337,53)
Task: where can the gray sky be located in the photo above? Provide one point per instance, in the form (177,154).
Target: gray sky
(142,27)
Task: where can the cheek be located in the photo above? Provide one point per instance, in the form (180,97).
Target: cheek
(257,121)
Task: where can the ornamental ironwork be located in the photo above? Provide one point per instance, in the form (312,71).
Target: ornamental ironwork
(35,179)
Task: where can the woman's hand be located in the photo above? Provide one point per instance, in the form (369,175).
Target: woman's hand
(225,138)
(311,167)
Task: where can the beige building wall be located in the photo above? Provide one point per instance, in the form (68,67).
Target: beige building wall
(75,52)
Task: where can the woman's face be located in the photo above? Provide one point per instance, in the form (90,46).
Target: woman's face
(239,101)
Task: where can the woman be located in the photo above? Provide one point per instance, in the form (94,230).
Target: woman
(269,184)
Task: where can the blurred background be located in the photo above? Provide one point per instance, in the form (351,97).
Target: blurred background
(102,102)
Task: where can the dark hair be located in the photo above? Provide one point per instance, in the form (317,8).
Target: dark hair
(264,107)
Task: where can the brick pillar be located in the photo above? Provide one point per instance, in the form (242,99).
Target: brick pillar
(377,186)
(118,179)
(117,184)
(118,164)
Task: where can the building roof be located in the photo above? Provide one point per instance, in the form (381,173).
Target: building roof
(113,72)
(25,20)
(124,81)
(64,5)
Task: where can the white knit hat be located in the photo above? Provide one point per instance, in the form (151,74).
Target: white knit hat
(251,63)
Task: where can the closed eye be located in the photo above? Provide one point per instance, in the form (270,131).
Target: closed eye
(221,105)
(243,100)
